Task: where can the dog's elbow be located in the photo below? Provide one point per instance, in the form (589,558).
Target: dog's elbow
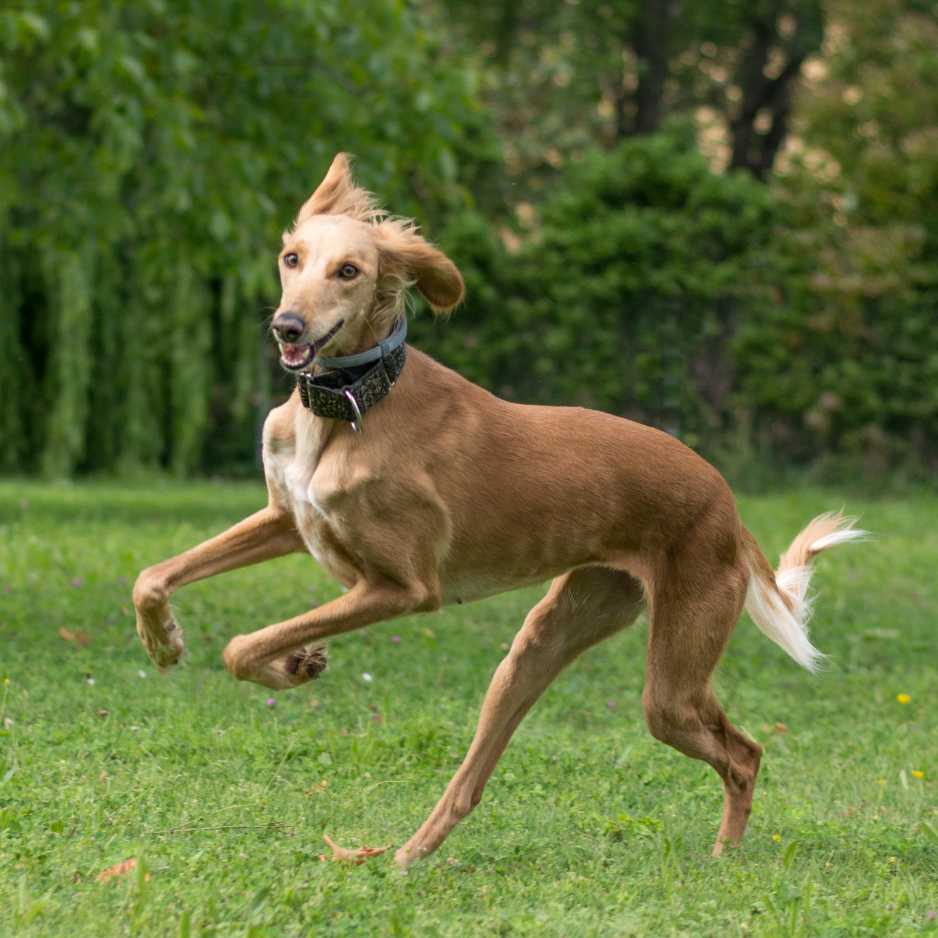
(423,597)
(402,599)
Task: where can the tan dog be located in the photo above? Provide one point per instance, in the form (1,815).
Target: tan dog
(450,494)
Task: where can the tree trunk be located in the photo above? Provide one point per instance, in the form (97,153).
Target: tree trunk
(753,150)
(650,42)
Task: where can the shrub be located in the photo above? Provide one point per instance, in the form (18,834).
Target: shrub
(742,318)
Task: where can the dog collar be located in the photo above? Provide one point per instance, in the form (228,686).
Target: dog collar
(347,392)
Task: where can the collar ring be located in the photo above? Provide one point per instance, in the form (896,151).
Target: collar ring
(357,422)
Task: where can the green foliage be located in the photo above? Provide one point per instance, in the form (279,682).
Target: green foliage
(587,827)
(744,318)
(639,268)
(563,78)
(859,372)
(150,155)
(846,365)
(626,291)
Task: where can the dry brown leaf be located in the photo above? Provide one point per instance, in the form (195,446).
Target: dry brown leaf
(344,855)
(76,636)
(118,869)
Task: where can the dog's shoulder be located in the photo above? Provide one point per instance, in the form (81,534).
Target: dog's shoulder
(279,431)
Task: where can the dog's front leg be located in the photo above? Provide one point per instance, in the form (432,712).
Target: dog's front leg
(277,656)
(264,535)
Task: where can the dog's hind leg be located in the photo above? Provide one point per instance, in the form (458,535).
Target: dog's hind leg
(693,614)
(580,609)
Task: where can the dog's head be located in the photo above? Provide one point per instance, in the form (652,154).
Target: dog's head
(345,270)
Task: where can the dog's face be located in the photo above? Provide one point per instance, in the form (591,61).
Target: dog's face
(344,270)
(329,275)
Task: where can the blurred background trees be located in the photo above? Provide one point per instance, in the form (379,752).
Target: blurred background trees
(152,152)
(719,217)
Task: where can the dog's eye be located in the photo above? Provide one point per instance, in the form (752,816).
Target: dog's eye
(291,259)
(348,271)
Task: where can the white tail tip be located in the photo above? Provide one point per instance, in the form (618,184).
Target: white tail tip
(782,609)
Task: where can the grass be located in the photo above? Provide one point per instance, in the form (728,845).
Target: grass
(588,826)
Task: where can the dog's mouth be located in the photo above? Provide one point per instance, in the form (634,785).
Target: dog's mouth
(295,356)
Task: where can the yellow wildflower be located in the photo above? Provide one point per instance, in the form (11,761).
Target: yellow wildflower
(777,838)
(904,698)
(918,773)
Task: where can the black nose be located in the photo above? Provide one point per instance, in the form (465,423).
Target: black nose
(288,326)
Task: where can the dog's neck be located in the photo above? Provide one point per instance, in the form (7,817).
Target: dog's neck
(350,385)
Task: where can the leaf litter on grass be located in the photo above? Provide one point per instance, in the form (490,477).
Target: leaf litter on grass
(344,855)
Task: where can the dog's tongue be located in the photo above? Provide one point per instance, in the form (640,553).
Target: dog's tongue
(294,354)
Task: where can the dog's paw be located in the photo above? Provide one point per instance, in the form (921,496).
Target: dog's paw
(307,663)
(164,643)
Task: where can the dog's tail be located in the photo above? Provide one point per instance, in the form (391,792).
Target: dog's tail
(779,602)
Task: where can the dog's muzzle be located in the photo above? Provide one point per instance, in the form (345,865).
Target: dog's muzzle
(295,355)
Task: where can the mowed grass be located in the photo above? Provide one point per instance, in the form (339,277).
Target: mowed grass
(588,826)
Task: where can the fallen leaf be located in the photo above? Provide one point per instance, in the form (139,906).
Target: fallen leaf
(780,728)
(77,636)
(344,855)
(118,869)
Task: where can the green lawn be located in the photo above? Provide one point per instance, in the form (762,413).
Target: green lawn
(588,826)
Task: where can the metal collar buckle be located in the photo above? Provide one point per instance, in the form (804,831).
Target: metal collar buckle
(357,422)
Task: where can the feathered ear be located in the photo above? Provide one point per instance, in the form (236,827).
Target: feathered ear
(406,257)
(337,194)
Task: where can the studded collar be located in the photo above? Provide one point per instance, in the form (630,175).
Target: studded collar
(352,384)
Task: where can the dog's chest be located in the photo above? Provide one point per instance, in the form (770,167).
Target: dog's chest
(291,470)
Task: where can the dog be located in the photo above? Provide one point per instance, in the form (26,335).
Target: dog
(415,489)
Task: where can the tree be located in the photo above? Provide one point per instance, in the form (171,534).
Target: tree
(150,155)
(565,76)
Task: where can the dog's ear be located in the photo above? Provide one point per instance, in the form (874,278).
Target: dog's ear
(405,255)
(337,194)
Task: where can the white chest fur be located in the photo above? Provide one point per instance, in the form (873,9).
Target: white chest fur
(290,466)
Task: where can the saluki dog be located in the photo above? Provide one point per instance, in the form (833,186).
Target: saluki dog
(415,488)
